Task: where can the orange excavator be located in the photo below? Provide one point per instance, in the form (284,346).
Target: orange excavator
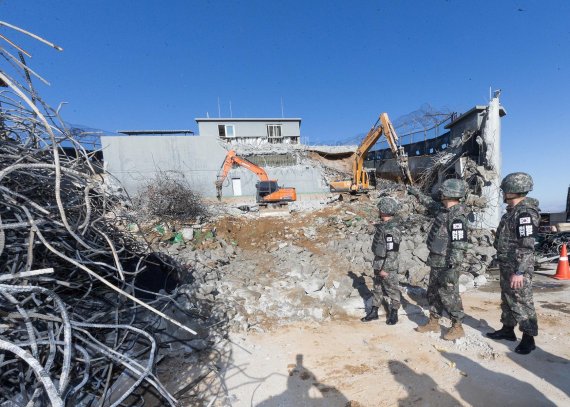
(360,180)
(268,191)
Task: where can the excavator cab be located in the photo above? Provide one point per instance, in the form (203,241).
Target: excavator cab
(269,192)
(265,188)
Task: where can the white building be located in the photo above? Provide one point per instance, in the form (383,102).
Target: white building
(251,130)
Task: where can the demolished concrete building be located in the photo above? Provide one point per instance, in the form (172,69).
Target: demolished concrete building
(470,149)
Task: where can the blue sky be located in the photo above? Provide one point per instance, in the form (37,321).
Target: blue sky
(336,64)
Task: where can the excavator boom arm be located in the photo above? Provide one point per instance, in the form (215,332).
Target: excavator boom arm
(231,160)
(399,154)
(383,126)
(389,132)
(260,172)
(371,138)
(226,167)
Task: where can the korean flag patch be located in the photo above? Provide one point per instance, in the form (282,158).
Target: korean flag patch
(525,227)
(458,231)
(391,245)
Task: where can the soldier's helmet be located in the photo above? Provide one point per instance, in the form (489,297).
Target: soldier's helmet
(517,183)
(453,188)
(388,206)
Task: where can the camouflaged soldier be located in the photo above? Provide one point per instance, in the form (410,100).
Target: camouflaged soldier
(514,242)
(385,246)
(447,242)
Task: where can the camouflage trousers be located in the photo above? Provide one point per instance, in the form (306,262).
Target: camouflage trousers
(517,305)
(443,293)
(386,289)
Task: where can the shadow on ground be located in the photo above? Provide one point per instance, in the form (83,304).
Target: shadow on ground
(480,386)
(421,388)
(304,389)
(557,372)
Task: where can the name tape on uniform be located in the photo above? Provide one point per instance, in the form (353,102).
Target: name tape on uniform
(525,227)
(458,231)
(391,245)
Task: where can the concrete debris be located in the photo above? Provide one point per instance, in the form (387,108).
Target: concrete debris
(268,148)
(473,342)
(330,162)
(314,265)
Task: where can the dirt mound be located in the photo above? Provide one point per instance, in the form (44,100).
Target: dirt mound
(306,230)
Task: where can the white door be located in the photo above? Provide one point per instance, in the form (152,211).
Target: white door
(236,186)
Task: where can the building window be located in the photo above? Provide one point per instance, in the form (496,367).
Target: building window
(230,130)
(274,131)
(227,130)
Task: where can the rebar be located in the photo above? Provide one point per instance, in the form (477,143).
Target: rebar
(72,320)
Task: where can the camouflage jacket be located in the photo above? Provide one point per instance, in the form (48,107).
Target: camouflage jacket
(386,245)
(516,234)
(448,238)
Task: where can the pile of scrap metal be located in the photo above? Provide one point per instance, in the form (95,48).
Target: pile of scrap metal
(549,246)
(73,326)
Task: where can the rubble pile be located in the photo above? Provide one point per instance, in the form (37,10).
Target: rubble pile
(476,176)
(332,162)
(314,265)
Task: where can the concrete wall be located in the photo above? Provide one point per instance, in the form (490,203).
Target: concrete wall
(303,178)
(255,129)
(471,122)
(491,132)
(134,160)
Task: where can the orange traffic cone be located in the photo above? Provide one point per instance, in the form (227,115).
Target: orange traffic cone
(563,271)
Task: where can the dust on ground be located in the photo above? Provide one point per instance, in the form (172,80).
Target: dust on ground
(350,363)
(374,364)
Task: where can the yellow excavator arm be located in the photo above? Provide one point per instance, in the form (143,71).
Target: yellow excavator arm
(399,153)
(360,181)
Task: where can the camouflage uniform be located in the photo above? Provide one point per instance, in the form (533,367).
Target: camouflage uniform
(447,242)
(514,242)
(385,247)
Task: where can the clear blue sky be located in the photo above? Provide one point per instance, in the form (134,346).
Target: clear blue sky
(337,64)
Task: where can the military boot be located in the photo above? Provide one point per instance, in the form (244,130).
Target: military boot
(526,346)
(371,316)
(455,332)
(392,317)
(506,332)
(431,326)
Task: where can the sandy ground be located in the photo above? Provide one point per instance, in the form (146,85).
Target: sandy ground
(350,363)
